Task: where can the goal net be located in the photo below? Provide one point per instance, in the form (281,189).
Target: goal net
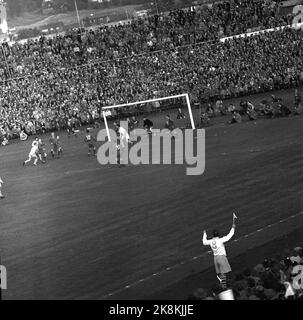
(176,108)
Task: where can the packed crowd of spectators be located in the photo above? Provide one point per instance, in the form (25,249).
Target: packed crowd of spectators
(273,279)
(271,107)
(167,31)
(49,82)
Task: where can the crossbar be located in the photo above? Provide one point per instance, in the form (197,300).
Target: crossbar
(145,101)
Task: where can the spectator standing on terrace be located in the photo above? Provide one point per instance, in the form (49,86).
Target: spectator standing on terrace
(23,136)
(222,265)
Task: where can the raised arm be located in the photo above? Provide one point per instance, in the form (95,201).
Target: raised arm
(230,235)
(204,239)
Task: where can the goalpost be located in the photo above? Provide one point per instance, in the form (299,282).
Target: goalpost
(184,95)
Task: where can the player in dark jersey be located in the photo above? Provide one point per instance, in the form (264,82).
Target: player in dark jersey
(118,147)
(119,150)
(148,125)
(135,121)
(130,124)
(89,139)
(169,124)
(41,151)
(56,148)
(71,128)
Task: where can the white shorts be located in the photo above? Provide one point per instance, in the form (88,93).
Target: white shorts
(32,155)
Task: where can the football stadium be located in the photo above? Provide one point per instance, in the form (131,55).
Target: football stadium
(75,227)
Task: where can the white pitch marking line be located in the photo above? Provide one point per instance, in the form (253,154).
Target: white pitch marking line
(238,239)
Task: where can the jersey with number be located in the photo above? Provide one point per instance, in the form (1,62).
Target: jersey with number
(217,244)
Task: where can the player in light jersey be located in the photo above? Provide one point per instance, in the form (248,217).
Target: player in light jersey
(33,153)
(1,183)
(181,114)
(123,135)
(222,265)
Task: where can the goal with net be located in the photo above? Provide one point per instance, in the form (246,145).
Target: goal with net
(177,107)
